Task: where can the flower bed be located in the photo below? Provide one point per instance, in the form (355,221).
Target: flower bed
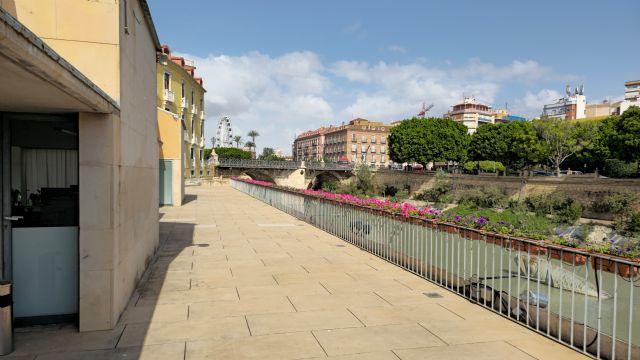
(496,232)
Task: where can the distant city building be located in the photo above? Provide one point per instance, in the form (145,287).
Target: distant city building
(605,108)
(309,145)
(503,116)
(359,141)
(570,107)
(471,114)
(631,95)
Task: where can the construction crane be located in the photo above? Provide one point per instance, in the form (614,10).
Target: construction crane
(425,109)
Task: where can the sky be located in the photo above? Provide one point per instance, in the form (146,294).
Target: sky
(282,67)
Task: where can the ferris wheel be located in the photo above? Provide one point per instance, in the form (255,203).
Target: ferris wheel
(224,134)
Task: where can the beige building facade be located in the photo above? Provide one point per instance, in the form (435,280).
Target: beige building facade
(77,95)
(471,113)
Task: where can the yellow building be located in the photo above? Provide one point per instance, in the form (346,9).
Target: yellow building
(180,101)
(79,157)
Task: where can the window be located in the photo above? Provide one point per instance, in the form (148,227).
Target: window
(373,159)
(354,147)
(364,157)
(373,148)
(353,138)
(364,148)
(364,138)
(167,81)
(192,154)
(193,125)
(382,159)
(192,98)
(183,92)
(354,157)
(373,139)
(383,140)
(202,128)
(382,149)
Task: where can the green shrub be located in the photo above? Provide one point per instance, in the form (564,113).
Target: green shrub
(565,209)
(330,186)
(389,190)
(364,179)
(614,203)
(619,169)
(628,223)
(232,153)
(440,192)
(485,166)
(484,197)
(400,196)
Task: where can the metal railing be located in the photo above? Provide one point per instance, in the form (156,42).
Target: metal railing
(258,164)
(328,166)
(583,300)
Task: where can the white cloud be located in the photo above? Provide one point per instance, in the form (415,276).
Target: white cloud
(397,49)
(288,94)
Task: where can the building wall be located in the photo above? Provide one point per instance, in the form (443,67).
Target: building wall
(193,114)
(85,33)
(171,136)
(118,153)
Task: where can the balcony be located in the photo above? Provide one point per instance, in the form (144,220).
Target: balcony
(202,114)
(184,103)
(194,109)
(168,96)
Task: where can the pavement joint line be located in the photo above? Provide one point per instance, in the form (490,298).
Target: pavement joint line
(385,300)
(432,333)
(246,320)
(451,311)
(291,302)
(238,293)
(396,355)
(120,336)
(318,341)
(357,318)
(321,284)
(184,355)
(403,284)
(305,269)
(274,279)
(526,353)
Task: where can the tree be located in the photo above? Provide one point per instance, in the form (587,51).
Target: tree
(250,145)
(562,138)
(232,153)
(253,134)
(426,140)
(237,139)
(626,135)
(207,153)
(269,154)
(489,142)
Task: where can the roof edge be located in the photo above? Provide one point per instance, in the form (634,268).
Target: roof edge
(149,20)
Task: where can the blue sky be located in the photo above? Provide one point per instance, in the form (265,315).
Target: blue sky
(282,67)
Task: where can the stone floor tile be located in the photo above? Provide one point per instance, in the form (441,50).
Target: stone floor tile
(340,301)
(154,313)
(375,338)
(385,315)
(189,296)
(297,278)
(55,338)
(265,305)
(381,355)
(236,281)
(151,352)
(249,270)
(477,351)
(312,288)
(301,321)
(472,331)
(162,333)
(544,349)
(267,347)
(354,286)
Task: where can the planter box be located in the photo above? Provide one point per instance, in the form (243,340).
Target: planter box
(528,248)
(568,257)
(624,270)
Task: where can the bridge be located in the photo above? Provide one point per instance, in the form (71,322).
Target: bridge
(298,174)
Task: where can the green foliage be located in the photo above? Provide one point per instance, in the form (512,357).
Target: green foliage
(484,165)
(269,154)
(562,138)
(535,226)
(364,179)
(237,139)
(628,223)
(625,142)
(400,196)
(425,140)
(440,192)
(330,186)
(232,153)
(389,190)
(619,169)
(515,144)
(615,203)
(563,208)
(207,153)
(484,197)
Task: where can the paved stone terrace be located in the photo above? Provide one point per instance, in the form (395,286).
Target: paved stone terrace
(238,279)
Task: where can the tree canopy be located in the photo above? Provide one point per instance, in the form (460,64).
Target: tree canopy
(426,140)
(515,144)
(269,154)
(232,153)
(562,138)
(626,135)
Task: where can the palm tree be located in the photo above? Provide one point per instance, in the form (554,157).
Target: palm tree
(237,139)
(251,144)
(253,134)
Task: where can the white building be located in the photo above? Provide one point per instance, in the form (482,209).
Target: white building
(471,114)
(572,106)
(631,95)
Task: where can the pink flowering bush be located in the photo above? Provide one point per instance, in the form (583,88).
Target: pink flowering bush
(251,181)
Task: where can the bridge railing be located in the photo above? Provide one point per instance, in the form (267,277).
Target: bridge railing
(585,300)
(328,166)
(258,164)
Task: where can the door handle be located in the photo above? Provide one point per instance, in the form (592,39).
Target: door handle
(13,218)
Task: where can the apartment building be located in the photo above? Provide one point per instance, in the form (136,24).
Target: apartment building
(80,157)
(631,95)
(360,140)
(181,118)
(572,106)
(181,93)
(471,113)
(309,146)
